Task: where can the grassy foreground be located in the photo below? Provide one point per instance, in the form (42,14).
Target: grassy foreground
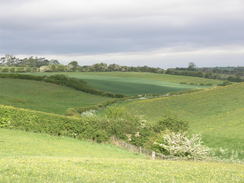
(29,157)
(135,83)
(44,96)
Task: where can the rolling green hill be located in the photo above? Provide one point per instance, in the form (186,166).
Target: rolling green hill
(216,113)
(44,96)
(29,157)
(135,83)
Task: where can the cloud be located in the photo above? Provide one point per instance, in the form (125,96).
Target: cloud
(95,27)
(165,57)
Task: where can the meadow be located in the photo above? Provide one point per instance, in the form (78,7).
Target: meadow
(30,157)
(216,113)
(44,96)
(136,83)
(63,149)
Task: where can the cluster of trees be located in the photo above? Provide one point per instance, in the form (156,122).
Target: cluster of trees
(12,61)
(233,74)
(225,70)
(103,67)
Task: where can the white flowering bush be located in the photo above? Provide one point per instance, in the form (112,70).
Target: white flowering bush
(178,144)
(89,113)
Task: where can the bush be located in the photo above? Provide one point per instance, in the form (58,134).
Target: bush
(11,69)
(172,124)
(19,69)
(122,123)
(4,69)
(225,83)
(179,145)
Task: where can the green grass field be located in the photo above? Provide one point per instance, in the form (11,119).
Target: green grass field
(135,83)
(29,157)
(216,113)
(44,96)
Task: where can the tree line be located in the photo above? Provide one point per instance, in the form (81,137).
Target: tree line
(44,65)
(232,74)
(10,63)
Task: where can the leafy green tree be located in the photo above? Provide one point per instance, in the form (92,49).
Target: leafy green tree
(72,66)
(192,66)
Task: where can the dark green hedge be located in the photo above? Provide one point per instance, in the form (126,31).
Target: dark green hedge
(82,128)
(94,128)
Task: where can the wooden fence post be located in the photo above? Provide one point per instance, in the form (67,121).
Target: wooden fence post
(153,155)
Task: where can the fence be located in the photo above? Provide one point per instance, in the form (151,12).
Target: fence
(139,150)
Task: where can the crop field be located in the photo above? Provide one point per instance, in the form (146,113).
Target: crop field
(43,96)
(216,113)
(30,157)
(133,83)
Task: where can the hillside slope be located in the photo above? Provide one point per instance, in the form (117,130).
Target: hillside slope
(217,113)
(135,83)
(29,157)
(44,96)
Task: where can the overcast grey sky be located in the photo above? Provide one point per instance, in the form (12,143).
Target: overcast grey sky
(164,33)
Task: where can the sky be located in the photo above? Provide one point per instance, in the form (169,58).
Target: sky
(158,33)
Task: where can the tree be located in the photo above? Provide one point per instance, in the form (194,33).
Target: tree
(72,66)
(100,67)
(10,60)
(114,67)
(54,62)
(191,66)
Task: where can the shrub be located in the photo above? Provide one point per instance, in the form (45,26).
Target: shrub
(4,69)
(122,122)
(178,144)
(225,83)
(77,111)
(89,113)
(100,136)
(141,136)
(172,124)
(184,83)
(19,69)
(11,69)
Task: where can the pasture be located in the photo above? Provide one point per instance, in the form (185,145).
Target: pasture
(44,96)
(216,113)
(29,157)
(135,83)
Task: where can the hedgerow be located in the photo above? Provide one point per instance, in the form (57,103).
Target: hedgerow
(95,128)
(83,128)
(18,69)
